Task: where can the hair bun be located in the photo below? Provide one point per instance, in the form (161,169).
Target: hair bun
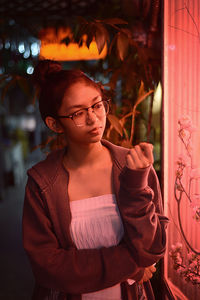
(44,71)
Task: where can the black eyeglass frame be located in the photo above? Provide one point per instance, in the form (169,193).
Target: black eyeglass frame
(85,108)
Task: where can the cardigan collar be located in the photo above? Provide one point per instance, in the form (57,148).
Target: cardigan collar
(46,175)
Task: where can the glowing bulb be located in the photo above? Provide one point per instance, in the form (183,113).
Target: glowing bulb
(35,49)
(21,48)
(27,53)
(30,70)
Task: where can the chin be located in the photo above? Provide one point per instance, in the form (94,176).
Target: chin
(95,139)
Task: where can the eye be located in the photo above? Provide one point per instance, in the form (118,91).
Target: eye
(98,105)
(78,113)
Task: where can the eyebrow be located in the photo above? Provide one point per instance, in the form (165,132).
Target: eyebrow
(81,105)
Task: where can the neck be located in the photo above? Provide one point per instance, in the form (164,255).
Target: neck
(82,155)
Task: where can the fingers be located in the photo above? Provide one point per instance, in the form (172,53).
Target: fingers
(135,159)
(140,156)
(148,273)
(152,269)
(147,149)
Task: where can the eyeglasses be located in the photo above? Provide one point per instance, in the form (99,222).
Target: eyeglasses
(100,108)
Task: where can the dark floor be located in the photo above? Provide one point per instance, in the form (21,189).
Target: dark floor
(16,279)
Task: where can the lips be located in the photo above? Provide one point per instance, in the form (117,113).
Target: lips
(95,130)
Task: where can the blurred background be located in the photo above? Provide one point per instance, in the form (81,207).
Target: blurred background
(117,42)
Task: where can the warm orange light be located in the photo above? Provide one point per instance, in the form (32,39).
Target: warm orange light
(52,48)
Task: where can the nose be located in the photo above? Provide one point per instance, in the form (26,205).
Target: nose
(91,116)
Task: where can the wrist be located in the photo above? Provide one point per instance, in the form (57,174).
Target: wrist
(135,178)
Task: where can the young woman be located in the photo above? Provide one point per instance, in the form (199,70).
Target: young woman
(92,221)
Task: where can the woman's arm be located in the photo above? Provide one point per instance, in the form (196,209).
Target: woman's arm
(70,270)
(141,208)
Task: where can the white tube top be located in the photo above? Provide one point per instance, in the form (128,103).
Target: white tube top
(96,223)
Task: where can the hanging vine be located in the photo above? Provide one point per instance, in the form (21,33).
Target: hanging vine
(189,266)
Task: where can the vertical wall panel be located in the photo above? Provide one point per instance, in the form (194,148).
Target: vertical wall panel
(181,97)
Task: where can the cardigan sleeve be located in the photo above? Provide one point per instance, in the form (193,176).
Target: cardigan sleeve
(70,270)
(141,208)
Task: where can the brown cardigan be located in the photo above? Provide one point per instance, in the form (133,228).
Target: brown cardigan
(60,269)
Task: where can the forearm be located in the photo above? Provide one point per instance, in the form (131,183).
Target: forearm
(70,270)
(144,225)
(83,271)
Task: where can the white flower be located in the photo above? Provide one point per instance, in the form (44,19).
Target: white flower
(180,270)
(190,256)
(183,160)
(186,123)
(179,245)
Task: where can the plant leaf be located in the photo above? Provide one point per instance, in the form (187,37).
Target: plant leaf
(140,99)
(101,35)
(115,123)
(112,43)
(90,35)
(122,45)
(141,89)
(113,21)
(127,32)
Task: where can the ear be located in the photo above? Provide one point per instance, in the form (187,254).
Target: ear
(53,124)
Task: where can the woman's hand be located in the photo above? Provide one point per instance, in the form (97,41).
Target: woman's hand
(140,156)
(148,273)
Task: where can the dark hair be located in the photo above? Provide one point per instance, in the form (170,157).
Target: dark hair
(53,82)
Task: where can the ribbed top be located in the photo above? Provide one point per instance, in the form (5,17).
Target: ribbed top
(96,223)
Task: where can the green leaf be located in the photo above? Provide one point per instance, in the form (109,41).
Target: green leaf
(141,89)
(141,98)
(112,44)
(78,35)
(122,45)
(90,35)
(115,123)
(127,32)
(101,36)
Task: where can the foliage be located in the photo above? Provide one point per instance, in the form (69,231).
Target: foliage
(186,129)
(126,62)
(188,267)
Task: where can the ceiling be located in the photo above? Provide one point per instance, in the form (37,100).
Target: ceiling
(34,14)
(30,16)
(46,9)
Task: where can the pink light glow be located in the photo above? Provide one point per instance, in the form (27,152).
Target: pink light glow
(181,98)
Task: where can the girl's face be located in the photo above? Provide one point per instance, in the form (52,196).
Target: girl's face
(77,97)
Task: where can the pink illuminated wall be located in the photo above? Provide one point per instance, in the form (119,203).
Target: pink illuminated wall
(181,85)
